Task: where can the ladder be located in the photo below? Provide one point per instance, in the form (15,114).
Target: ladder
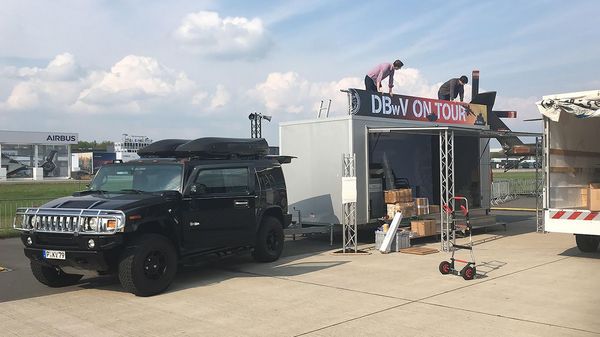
(324,107)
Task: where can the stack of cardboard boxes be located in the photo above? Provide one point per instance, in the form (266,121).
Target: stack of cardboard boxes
(399,201)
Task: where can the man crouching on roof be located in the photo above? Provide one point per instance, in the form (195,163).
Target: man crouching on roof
(374,77)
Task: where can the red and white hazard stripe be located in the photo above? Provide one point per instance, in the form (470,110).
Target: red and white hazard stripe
(574,215)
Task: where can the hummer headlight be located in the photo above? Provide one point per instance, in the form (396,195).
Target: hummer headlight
(93,224)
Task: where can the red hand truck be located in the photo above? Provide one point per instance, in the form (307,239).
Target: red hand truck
(459,222)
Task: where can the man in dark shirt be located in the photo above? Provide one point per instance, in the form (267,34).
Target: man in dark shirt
(453,87)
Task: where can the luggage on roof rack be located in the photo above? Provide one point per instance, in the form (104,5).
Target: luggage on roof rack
(207,147)
(215,147)
(161,148)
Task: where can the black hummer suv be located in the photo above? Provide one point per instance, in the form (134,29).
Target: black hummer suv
(142,218)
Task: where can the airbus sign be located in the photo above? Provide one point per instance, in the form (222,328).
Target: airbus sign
(61,138)
(27,137)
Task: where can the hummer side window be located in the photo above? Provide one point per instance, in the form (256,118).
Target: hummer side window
(227,180)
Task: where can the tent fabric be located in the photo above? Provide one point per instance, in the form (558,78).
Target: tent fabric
(583,104)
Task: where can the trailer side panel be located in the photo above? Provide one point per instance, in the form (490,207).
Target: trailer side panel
(314,179)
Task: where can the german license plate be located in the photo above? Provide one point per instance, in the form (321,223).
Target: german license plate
(54,254)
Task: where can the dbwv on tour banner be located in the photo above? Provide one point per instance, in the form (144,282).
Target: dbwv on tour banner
(366,103)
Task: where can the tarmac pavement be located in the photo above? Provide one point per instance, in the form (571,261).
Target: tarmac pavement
(528,284)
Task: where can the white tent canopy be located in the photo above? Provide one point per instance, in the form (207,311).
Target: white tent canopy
(583,104)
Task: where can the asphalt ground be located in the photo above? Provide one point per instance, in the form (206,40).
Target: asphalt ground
(528,284)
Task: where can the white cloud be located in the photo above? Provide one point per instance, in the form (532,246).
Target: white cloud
(220,98)
(135,84)
(230,37)
(199,97)
(135,79)
(56,84)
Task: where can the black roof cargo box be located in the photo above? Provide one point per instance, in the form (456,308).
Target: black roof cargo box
(223,147)
(161,148)
(208,147)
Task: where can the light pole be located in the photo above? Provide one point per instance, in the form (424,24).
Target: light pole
(256,124)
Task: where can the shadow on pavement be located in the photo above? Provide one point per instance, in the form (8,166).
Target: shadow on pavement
(484,268)
(20,284)
(575,252)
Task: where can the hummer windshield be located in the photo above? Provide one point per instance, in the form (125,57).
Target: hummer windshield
(138,178)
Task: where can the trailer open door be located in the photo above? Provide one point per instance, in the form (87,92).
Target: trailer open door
(572,165)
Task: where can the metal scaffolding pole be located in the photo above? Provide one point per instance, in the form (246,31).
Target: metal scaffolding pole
(540,181)
(256,126)
(350,242)
(446,185)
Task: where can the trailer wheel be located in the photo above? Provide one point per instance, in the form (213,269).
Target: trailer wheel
(445,267)
(468,273)
(587,243)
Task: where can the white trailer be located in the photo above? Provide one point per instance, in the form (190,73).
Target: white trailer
(439,147)
(571,164)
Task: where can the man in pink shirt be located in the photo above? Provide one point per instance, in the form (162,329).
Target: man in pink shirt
(379,73)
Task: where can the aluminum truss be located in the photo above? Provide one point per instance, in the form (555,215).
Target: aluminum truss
(540,181)
(350,243)
(446,185)
(256,126)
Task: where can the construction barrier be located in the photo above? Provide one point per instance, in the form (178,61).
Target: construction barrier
(511,189)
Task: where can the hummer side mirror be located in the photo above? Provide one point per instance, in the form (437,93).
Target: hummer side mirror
(198,189)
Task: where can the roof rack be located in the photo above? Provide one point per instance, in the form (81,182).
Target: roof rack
(207,148)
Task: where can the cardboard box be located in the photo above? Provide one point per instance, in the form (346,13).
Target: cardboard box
(424,227)
(422,201)
(422,206)
(593,197)
(407,209)
(400,195)
(434,208)
(422,210)
(584,197)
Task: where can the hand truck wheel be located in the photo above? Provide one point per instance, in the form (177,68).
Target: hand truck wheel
(468,272)
(445,267)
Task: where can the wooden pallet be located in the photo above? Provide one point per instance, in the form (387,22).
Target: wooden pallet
(418,250)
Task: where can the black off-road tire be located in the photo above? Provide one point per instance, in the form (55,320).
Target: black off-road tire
(52,277)
(269,240)
(148,266)
(587,243)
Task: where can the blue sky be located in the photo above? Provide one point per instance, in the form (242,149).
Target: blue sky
(198,68)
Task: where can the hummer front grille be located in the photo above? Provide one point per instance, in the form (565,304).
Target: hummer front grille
(66,220)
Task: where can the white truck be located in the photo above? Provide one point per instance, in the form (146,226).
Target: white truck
(572,166)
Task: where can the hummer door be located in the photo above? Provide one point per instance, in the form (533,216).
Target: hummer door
(220,208)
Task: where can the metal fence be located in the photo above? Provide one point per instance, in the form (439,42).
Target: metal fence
(9,207)
(511,189)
